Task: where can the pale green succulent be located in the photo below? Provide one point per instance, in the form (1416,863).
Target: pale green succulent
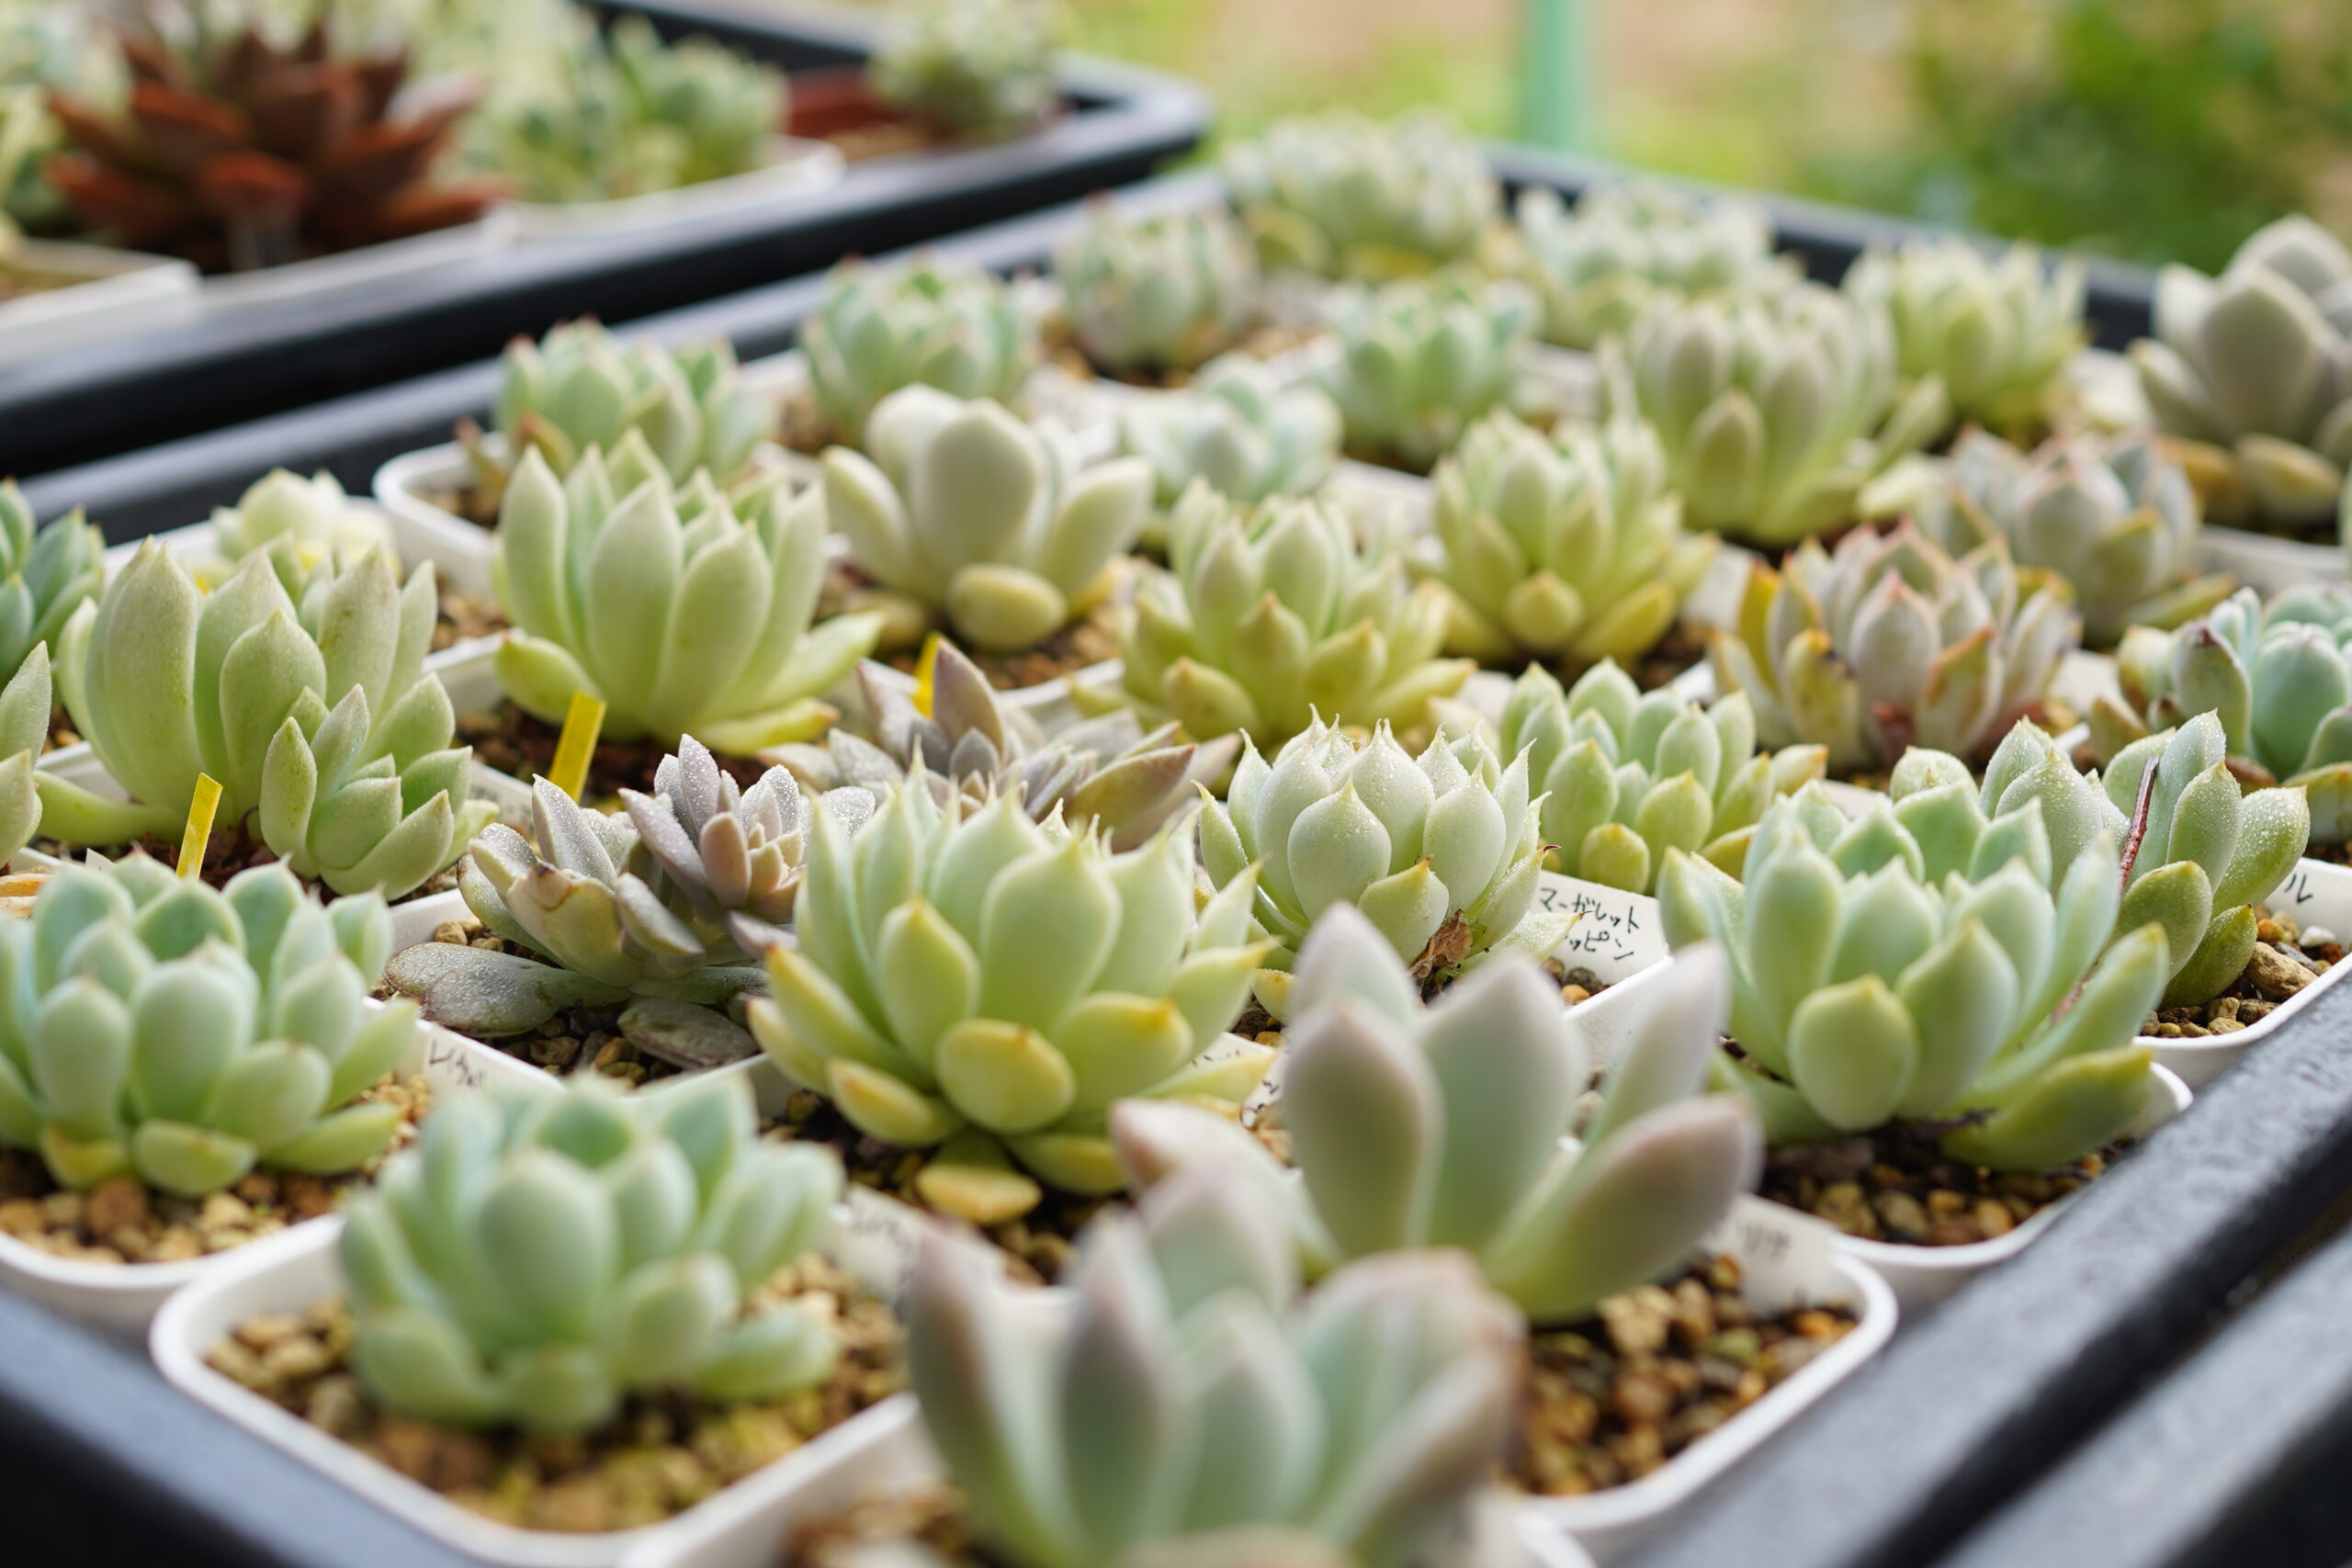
(580,387)
(45,47)
(1449,1126)
(635,908)
(304,696)
(1102,775)
(1420,359)
(46,574)
(2115,516)
(1625,777)
(1887,643)
(1925,964)
(1572,551)
(2279,679)
(981,68)
(1774,412)
(312,517)
(680,615)
(539,1259)
(24,710)
(1998,334)
(967,516)
(2257,365)
(1440,852)
(1626,245)
(163,1029)
(1342,196)
(970,981)
(1269,616)
(1156,294)
(1184,1405)
(923,323)
(1238,428)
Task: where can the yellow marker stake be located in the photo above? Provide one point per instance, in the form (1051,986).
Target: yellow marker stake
(926,667)
(200,812)
(581,725)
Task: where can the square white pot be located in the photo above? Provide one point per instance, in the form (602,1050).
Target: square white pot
(354,271)
(124,293)
(793,168)
(121,1297)
(2316,894)
(292,1277)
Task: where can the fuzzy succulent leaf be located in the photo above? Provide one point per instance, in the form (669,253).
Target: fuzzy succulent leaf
(1996,332)
(1420,359)
(982,68)
(1342,196)
(580,387)
(926,322)
(46,574)
(1159,293)
(1240,430)
(1622,246)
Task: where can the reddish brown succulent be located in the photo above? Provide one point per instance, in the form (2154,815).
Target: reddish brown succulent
(244,154)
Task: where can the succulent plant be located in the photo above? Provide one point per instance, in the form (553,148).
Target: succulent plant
(966,515)
(312,517)
(1102,775)
(635,908)
(927,322)
(1571,551)
(2115,516)
(580,387)
(538,1259)
(2257,365)
(1268,615)
(237,153)
(44,49)
(1342,196)
(981,68)
(1888,642)
(165,1029)
(2279,679)
(1866,988)
(25,708)
(1239,429)
(1165,292)
(1774,412)
(682,615)
(972,982)
(305,698)
(46,574)
(1997,334)
(1625,245)
(1185,1400)
(1624,775)
(1443,1126)
(1420,359)
(1440,852)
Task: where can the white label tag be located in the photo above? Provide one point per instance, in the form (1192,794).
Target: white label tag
(1785,1259)
(876,1238)
(1617,934)
(1227,1046)
(448,1061)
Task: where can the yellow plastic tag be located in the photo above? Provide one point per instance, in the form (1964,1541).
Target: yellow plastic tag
(582,724)
(926,666)
(200,812)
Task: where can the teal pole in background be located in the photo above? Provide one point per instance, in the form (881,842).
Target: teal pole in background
(1556,99)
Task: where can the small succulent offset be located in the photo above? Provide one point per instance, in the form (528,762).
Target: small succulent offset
(1440,852)
(981,68)
(1338,194)
(580,387)
(680,615)
(1626,245)
(311,517)
(1237,428)
(305,699)
(1624,775)
(1774,412)
(46,574)
(1997,334)
(1572,551)
(1271,614)
(539,1258)
(1102,775)
(1866,988)
(180,1034)
(2257,365)
(972,982)
(25,711)
(1421,358)
(964,515)
(1417,1127)
(1186,1404)
(2279,679)
(928,323)
(1159,293)
(1887,643)
(2115,516)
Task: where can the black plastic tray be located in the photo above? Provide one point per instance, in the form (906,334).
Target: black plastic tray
(112,398)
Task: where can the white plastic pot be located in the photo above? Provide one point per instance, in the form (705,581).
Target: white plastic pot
(2316,894)
(292,1277)
(123,293)
(351,272)
(795,167)
(121,1297)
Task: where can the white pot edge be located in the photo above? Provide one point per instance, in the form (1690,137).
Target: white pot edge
(2198,1061)
(123,293)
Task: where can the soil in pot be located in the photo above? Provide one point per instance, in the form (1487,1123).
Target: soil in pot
(513,742)
(2287,957)
(838,104)
(19,281)
(1894,1184)
(123,1221)
(462,617)
(1577,983)
(934,1519)
(660,1457)
(1091,639)
(227,852)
